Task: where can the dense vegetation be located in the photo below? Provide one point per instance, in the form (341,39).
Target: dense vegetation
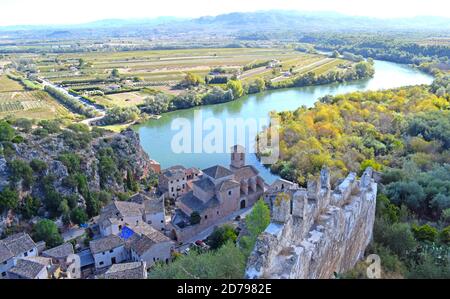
(383,47)
(234,88)
(404,134)
(227,257)
(71,103)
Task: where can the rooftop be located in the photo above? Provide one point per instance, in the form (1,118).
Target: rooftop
(105,244)
(245,172)
(61,251)
(135,270)
(217,172)
(195,204)
(29,268)
(15,245)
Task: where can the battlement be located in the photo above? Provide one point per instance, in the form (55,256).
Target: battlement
(310,222)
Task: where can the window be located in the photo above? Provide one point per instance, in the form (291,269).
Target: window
(172,189)
(217,212)
(229,193)
(103,253)
(171,182)
(5,262)
(25,254)
(101,263)
(111,251)
(3,274)
(31,250)
(206,217)
(162,221)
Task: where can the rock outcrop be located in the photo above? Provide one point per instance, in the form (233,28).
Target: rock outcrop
(318,232)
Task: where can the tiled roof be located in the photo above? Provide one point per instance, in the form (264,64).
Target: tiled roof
(16,245)
(61,251)
(142,244)
(155,205)
(119,209)
(135,270)
(245,172)
(217,172)
(29,268)
(195,204)
(177,171)
(105,244)
(227,185)
(205,184)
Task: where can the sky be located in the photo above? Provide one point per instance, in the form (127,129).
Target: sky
(34,12)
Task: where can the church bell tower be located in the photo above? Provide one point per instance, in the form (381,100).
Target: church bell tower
(237,156)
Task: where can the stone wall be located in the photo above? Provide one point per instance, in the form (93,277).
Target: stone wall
(318,232)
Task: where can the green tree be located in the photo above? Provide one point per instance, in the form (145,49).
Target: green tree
(256,222)
(47,231)
(425,232)
(78,216)
(222,235)
(6,131)
(9,199)
(444,236)
(20,170)
(228,262)
(115,73)
(191,79)
(30,207)
(236,87)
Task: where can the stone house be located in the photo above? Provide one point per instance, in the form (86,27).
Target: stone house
(173,181)
(149,245)
(14,247)
(63,255)
(32,268)
(119,214)
(108,250)
(217,194)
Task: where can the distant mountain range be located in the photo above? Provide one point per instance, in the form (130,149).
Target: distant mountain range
(261,21)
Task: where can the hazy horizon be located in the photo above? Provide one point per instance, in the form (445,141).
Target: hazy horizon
(48,12)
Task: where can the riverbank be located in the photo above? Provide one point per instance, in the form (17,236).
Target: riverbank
(257,107)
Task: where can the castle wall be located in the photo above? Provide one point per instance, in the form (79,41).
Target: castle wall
(319,232)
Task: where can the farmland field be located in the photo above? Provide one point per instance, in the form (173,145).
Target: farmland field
(31,104)
(9,85)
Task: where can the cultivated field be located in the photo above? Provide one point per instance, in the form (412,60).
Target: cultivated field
(8,85)
(31,104)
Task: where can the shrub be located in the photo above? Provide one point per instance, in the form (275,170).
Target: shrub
(425,232)
(195,218)
(222,235)
(444,236)
(46,230)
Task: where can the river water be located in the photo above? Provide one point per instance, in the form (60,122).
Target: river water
(157,136)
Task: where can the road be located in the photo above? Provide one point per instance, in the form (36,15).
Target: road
(100,111)
(204,234)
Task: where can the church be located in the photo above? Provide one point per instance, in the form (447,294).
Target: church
(217,194)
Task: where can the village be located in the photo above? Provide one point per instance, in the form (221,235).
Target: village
(129,237)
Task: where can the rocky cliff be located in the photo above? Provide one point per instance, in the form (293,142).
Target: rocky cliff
(318,231)
(105,160)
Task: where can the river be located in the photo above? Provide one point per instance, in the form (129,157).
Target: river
(157,135)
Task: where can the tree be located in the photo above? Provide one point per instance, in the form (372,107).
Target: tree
(38,166)
(47,231)
(6,131)
(256,222)
(228,262)
(409,193)
(195,218)
(397,237)
(9,199)
(115,73)
(30,207)
(425,232)
(78,216)
(236,87)
(222,235)
(20,170)
(191,79)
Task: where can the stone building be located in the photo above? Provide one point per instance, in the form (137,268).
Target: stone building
(173,181)
(317,232)
(217,194)
(13,248)
(119,214)
(108,251)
